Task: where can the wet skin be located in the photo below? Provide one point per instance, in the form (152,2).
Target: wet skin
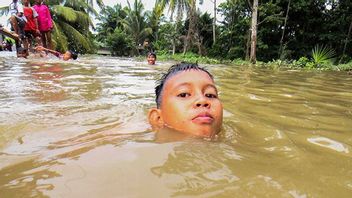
(151,60)
(67,56)
(190,104)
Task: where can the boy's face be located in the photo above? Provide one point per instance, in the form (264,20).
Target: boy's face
(22,54)
(67,56)
(151,59)
(190,104)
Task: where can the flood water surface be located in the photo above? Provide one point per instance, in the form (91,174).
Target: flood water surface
(79,129)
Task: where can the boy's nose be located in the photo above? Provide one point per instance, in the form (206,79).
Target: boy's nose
(202,101)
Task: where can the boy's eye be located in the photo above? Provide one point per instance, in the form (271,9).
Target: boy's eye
(211,96)
(183,95)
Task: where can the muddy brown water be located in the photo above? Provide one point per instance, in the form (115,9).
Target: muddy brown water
(79,129)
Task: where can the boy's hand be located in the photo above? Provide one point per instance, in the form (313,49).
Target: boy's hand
(39,48)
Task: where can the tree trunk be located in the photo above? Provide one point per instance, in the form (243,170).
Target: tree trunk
(283,29)
(253,58)
(192,26)
(346,42)
(248,45)
(173,46)
(214,24)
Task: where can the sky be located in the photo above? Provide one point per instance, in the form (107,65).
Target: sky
(148,5)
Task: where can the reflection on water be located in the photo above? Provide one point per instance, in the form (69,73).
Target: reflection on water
(79,129)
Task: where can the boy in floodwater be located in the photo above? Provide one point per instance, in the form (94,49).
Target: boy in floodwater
(65,56)
(22,52)
(151,58)
(187,101)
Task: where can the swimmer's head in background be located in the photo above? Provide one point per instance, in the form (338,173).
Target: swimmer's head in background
(151,58)
(22,52)
(70,54)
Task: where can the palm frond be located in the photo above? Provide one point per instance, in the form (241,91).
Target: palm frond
(323,54)
(84,21)
(59,38)
(80,40)
(67,13)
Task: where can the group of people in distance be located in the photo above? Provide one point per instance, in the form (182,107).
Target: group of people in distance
(33,25)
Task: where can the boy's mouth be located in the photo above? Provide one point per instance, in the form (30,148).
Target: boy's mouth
(203,118)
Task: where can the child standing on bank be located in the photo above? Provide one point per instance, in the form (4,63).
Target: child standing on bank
(45,23)
(187,101)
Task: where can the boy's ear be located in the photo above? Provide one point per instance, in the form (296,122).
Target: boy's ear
(155,118)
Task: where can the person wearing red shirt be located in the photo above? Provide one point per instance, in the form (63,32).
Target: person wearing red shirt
(31,28)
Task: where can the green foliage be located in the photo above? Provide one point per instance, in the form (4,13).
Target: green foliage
(110,19)
(72,23)
(120,43)
(169,34)
(323,55)
(301,62)
(188,57)
(135,22)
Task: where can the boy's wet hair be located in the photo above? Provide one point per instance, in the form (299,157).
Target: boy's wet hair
(151,54)
(74,54)
(171,72)
(21,50)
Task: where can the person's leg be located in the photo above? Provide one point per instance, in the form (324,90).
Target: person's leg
(38,41)
(44,39)
(21,23)
(26,41)
(14,25)
(48,40)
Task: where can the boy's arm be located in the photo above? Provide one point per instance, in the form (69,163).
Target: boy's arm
(41,48)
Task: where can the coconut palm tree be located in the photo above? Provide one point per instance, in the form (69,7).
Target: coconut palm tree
(188,6)
(110,18)
(135,23)
(72,23)
(154,18)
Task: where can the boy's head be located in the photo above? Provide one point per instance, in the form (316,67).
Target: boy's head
(151,58)
(70,54)
(22,52)
(187,101)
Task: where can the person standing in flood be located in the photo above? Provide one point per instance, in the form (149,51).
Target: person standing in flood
(17,20)
(31,28)
(45,23)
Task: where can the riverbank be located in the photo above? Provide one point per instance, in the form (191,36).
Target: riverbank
(303,63)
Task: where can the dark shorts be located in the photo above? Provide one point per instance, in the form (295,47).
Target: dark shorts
(31,34)
(21,23)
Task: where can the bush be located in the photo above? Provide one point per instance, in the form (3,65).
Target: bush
(120,43)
